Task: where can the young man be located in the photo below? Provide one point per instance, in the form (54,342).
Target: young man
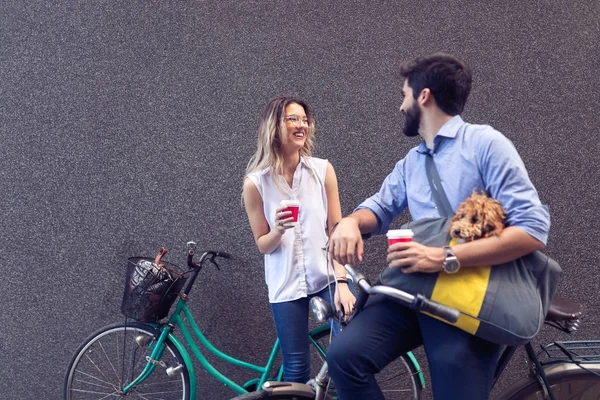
(467,157)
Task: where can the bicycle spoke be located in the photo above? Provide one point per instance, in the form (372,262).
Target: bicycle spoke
(107,385)
(115,387)
(398,377)
(92,392)
(110,362)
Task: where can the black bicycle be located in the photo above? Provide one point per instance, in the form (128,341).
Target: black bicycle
(562,370)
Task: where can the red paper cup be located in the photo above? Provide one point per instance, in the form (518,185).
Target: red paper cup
(294,207)
(399,236)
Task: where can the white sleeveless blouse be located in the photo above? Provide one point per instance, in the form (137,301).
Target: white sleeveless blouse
(298,267)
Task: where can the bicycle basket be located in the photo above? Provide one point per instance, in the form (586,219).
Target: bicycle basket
(150,289)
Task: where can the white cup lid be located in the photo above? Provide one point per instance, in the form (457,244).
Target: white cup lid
(289,203)
(400,233)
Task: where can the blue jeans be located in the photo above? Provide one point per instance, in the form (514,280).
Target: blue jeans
(461,365)
(291,323)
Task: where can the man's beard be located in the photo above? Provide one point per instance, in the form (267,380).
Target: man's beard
(413,119)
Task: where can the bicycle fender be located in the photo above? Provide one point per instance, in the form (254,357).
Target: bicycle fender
(187,360)
(417,367)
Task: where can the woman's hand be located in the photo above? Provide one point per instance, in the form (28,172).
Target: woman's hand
(414,257)
(344,300)
(281,218)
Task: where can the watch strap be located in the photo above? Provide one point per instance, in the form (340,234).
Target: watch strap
(450,258)
(448,252)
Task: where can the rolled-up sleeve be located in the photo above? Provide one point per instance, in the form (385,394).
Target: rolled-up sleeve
(389,201)
(507,180)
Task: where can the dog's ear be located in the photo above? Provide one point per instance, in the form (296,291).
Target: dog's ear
(490,230)
(498,210)
(495,218)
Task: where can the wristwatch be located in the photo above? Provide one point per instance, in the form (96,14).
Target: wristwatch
(451,264)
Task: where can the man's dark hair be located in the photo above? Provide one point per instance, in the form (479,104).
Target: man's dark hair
(448,78)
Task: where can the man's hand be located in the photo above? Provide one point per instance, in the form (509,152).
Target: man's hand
(414,257)
(345,241)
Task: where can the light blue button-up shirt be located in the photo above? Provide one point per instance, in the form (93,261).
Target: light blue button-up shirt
(467,157)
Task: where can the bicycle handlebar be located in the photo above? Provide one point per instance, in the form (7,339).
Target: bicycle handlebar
(209,255)
(417,303)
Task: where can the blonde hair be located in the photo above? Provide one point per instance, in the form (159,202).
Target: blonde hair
(271,129)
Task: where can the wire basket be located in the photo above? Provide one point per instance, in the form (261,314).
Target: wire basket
(150,289)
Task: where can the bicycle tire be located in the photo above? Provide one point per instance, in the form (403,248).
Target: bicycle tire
(111,357)
(399,380)
(566,384)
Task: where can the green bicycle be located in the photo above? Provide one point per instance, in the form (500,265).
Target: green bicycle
(146,360)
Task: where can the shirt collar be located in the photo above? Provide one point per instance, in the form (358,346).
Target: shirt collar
(448,130)
(304,162)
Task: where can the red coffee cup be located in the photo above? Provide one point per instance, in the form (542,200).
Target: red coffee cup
(399,235)
(294,207)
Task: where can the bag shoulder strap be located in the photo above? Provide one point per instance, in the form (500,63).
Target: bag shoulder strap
(439,195)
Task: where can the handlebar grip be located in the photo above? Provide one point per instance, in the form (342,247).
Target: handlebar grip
(422,303)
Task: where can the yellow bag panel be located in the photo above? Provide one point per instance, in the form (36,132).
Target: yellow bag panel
(465,291)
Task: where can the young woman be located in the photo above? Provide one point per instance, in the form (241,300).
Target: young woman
(296,263)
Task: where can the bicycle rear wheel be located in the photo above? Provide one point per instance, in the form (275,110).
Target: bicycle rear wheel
(570,383)
(398,381)
(113,356)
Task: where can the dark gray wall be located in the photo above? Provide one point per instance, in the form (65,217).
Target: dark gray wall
(126,126)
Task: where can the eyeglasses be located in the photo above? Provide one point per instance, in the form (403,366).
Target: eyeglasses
(297,121)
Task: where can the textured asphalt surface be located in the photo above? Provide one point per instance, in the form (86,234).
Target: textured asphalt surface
(126,126)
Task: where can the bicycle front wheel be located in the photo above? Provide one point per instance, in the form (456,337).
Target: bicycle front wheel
(568,384)
(115,355)
(398,381)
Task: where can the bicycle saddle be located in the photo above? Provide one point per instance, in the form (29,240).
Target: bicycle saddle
(563,309)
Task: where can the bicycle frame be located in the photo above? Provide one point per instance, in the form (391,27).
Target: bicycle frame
(190,336)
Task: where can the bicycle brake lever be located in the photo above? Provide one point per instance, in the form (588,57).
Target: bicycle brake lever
(213,262)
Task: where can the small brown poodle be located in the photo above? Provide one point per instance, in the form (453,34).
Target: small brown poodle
(478,217)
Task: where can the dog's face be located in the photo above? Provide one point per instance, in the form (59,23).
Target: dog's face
(478,217)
